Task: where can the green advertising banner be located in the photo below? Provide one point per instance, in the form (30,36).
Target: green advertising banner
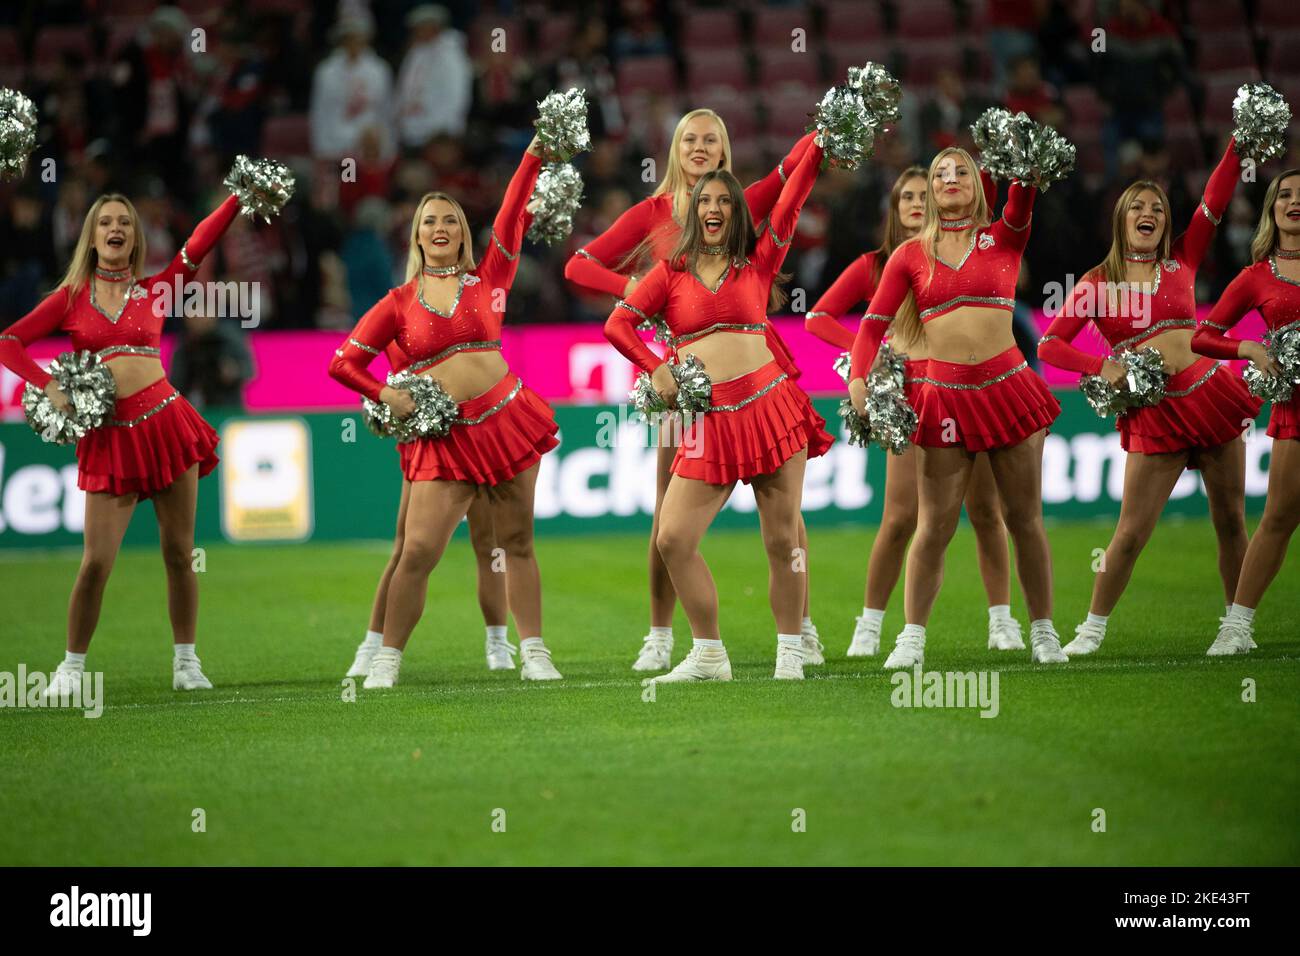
(322,476)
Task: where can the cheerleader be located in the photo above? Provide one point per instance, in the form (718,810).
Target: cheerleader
(155,445)
(1271,285)
(713,294)
(977,395)
(1143,295)
(650,230)
(491,586)
(856,284)
(447,319)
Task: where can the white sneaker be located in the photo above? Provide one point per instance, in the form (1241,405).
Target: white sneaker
(1234,638)
(1046,647)
(790,661)
(1087,638)
(866,638)
(187,675)
(1004,635)
(361,663)
(500,654)
(696,666)
(909,651)
(384,668)
(64,682)
(656,654)
(537,663)
(813,649)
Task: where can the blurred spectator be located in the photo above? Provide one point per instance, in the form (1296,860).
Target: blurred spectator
(436,79)
(1012,28)
(365,255)
(585,66)
(1027,92)
(373,174)
(642,33)
(25,233)
(211,362)
(948,114)
(351,92)
(237,104)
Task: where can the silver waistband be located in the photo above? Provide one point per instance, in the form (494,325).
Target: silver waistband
(720,327)
(752,398)
(491,345)
(1184,392)
(1158,327)
(118,423)
(128,350)
(495,408)
(972,387)
(968,300)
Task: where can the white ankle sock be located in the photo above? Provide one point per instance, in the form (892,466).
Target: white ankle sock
(389,652)
(1098,619)
(805,624)
(707,644)
(1241,613)
(74,660)
(373,639)
(913,630)
(497,631)
(531,642)
(872,615)
(662,633)
(999,612)
(184,652)
(794,640)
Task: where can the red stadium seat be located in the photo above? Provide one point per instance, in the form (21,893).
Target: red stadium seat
(853,20)
(1212,16)
(654,73)
(1276,14)
(1225,51)
(925,19)
(774,27)
(708,68)
(780,67)
(1219,93)
(1085,107)
(705,29)
(844,55)
(287,136)
(554,34)
(923,59)
(1178,107)
(737,111)
(789,112)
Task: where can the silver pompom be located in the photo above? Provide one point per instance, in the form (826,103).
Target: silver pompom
(857,428)
(889,413)
(842,363)
(562,125)
(17,133)
(373,417)
(1048,157)
(850,117)
(995,141)
(694,389)
(558,195)
(263,186)
(1143,385)
(435,410)
(1284,349)
(1262,117)
(89,386)
(1016,147)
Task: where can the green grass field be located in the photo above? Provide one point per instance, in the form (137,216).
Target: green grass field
(1150,730)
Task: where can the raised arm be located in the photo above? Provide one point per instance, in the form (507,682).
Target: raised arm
(593,266)
(43,320)
(205,236)
(1055,348)
(1012,227)
(1211,336)
(774,242)
(372,334)
(762,195)
(647,299)
(851,287)
(1192,245)
(895,284)
(497,267)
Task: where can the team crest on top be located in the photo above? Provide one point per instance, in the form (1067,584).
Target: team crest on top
(1171,265)
(986,240)
(471,279)
(138,292)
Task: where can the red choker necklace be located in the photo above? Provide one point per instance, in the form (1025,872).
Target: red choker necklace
(956,225)
(1139,257)
(113,275)
(1287,253)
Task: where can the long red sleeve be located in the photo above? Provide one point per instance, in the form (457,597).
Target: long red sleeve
(852,286)
(1211,335)
(990,187)
(774,243)
(501,257)
(202,241)
(647,299)
(43,320)
(895,284)
(593,267)
(1192,245)
(762,195)
(1055,348)
(1013,226)
(372,334)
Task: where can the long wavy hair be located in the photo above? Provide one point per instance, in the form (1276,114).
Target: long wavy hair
(738,240)
(907,323)
(894,234)
(84,256)
(1111,269)
(415,255)
(1265,241)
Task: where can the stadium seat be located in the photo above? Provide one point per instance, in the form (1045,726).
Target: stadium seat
(1085,107)
(705,29)
(779,67)
(774,26)
(789,112)
(287,135)
(923,59)
(853,20)
(1225,51)
(844,55)
(654,73)
(707,68)
(738,110)
(1219,93)
(927,19)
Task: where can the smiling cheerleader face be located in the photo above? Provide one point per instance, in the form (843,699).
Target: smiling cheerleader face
(1145,221)
(440,233)
(114,235)
(1286,208)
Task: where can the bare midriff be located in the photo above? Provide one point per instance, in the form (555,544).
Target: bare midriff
(466,375)
(969,335)
(729,354)
(1175,348)
(134,372)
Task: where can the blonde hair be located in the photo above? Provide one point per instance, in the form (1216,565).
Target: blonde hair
(674,181)
(84,256)
(415,255)
(895,233)
(907,323)
(1265,241)
(1112,269)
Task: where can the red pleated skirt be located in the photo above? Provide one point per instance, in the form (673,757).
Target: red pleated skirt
(501,443)
(996,403)
(154,437)
(775,422)
(914,370)
(1205,406)
(1284,419)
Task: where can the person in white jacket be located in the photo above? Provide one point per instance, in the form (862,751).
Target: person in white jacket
(351,92)
(435,82)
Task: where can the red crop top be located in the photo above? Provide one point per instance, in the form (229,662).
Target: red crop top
(1259,286)
(1171,302)
(137,329)
(985,276)
(474,323)
(594,266)
(738,303)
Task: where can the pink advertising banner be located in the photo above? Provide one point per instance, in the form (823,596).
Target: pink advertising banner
(562,363)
